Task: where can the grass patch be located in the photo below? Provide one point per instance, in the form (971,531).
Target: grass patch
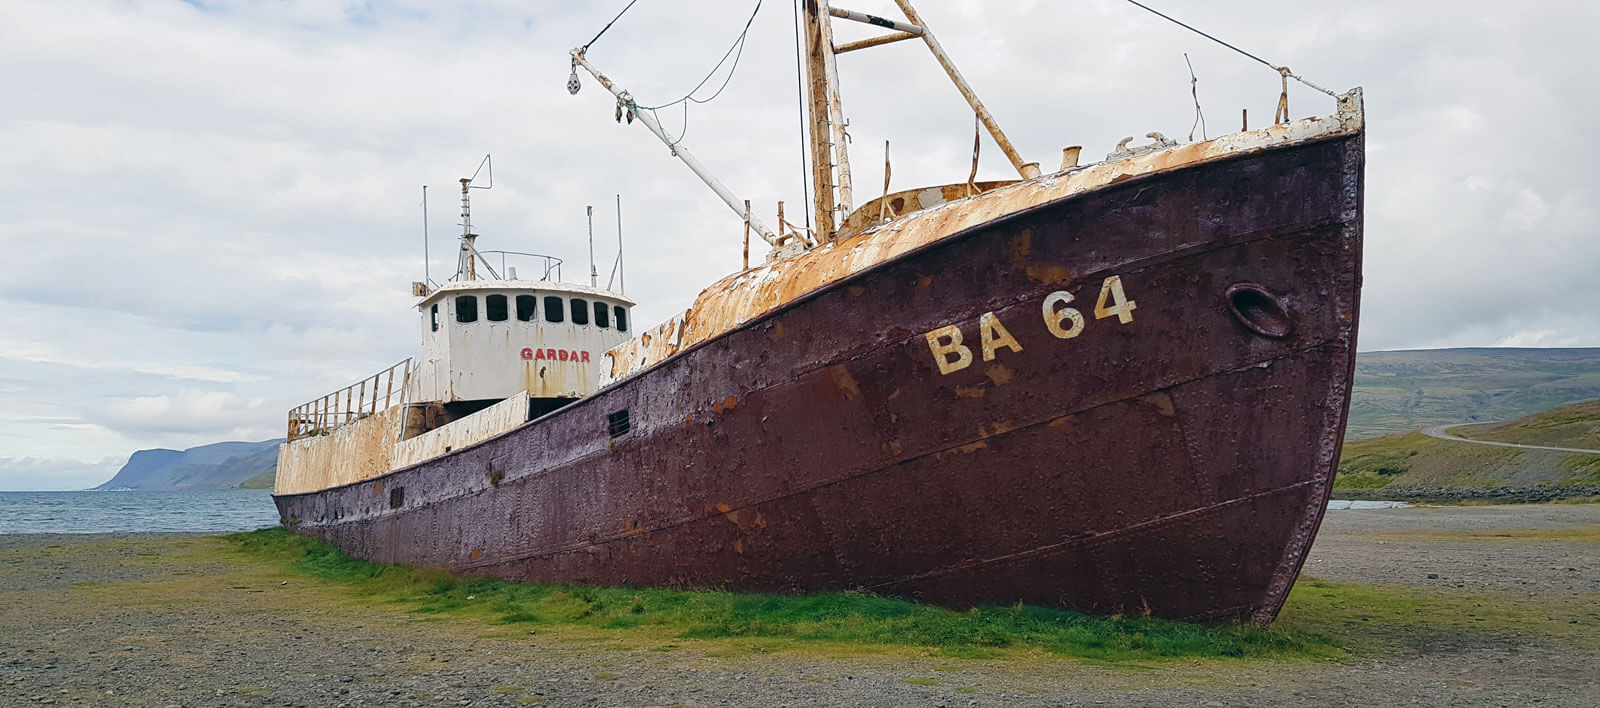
(1582,468)
(747,622)
(1382,617)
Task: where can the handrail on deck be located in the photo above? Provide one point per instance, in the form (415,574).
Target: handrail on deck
(351,403)
(551,265)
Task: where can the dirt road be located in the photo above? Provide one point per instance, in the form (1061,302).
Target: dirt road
(1443,433)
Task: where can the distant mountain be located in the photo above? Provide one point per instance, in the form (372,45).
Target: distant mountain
(1405,390)
(227,465)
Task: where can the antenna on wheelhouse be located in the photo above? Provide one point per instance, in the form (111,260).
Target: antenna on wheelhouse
(426,278)
(594,275)
(616,266)
(621,288)
(467,263)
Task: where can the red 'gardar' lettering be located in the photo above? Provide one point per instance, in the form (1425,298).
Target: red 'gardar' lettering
(572,355)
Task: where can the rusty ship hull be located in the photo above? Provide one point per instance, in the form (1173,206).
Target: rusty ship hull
(1176,461)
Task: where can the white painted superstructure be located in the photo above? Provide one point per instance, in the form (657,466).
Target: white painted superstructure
(490,339)
(497,352)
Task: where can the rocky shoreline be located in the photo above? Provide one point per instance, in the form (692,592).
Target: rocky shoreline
(1534,494)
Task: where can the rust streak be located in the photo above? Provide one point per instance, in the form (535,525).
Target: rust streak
(1162,402)
(746,519)
(1021,246)
(999,374)
(1046,273)
(969,448)
(841,377)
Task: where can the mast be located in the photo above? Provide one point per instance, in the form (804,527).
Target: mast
(830,160)
(830,165)
(594,275)
(468,263)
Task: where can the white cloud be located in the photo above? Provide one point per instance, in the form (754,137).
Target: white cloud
(26,474)
(211,209)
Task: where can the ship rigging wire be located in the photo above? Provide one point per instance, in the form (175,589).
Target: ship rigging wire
(1282,70)
(609,24)
(735,50)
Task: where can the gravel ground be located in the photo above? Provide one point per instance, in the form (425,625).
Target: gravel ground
(158,620)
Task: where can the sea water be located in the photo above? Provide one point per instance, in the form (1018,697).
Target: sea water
(197,512)
(134,511)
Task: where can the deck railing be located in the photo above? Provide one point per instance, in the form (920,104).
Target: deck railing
(351,403)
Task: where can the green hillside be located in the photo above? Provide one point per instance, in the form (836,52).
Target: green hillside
(1405,390)
(1577,425)
(1414,466)
(261,481)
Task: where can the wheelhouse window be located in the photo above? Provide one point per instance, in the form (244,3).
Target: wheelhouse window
(467,308)
(580,311)
(525,307)
(554,309)
(433,317)
(622,318)
(602,315)
(494,308)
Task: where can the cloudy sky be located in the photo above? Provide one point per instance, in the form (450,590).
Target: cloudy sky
(210,211)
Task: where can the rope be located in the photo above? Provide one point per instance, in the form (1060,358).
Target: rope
(1283,70)
(736,50)
(1194,90)
(609,24)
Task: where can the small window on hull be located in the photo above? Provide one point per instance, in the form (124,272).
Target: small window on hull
(467,308)
(602,315)
(580,311)
(525,307)
(617,424)
(433,317)
(494,308)
(622,318)
(554,309)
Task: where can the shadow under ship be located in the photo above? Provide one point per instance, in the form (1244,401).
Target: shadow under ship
(1117,388)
